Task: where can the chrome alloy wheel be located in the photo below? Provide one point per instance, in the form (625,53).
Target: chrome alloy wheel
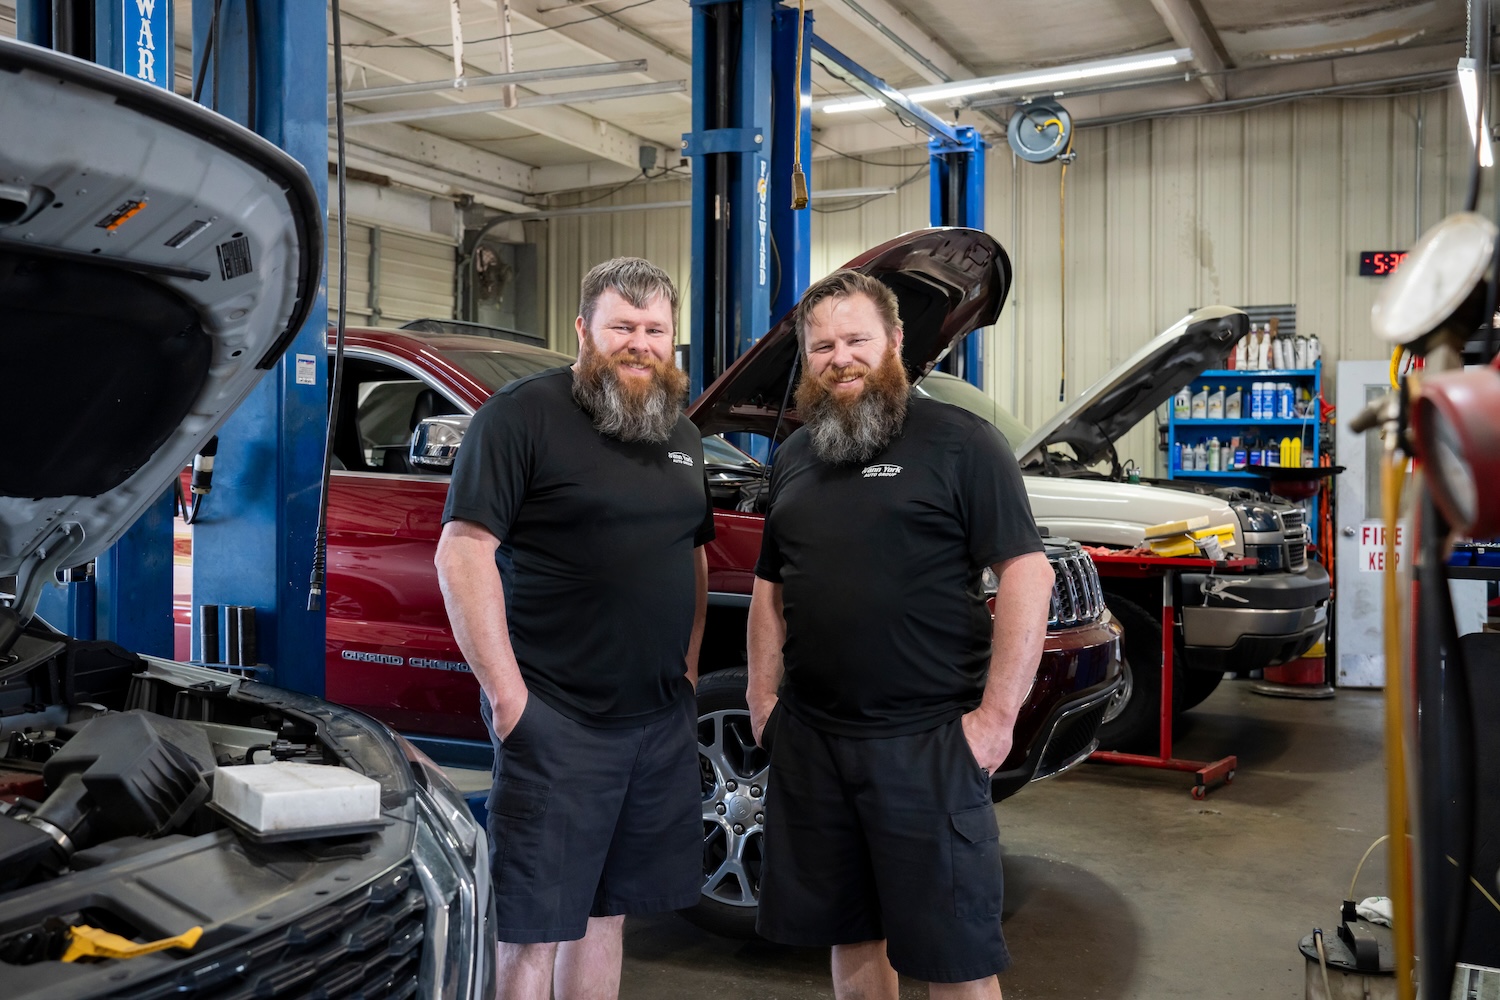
(1121,697)
(733,770)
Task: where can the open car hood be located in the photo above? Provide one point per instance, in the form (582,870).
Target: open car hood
(1152,375)
(948,283)
(156,259)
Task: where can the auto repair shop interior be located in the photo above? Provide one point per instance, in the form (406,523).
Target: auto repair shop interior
(1222,274)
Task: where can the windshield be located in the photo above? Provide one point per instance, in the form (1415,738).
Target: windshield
(498,368)
(717,451)
(946,388)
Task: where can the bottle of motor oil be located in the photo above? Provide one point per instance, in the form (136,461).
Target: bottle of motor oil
(1216,404)
(1232,407)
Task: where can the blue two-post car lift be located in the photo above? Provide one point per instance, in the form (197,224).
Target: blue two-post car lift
(751,252)
(751,249)
(254,543)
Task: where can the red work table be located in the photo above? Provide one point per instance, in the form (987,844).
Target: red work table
(1140,567)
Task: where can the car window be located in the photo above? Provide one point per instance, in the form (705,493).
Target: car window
(379,407)
(497,368)
(946,388)
(717,451)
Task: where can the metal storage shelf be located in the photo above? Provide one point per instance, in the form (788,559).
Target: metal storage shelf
(1242,421)
(1307,429)
(1259,373)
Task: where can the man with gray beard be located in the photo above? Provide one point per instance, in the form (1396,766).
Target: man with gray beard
(878,680)
(572,568)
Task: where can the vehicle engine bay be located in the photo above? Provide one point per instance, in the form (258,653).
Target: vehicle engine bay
(108,826)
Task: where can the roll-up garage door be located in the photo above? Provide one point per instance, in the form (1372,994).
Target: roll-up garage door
(416,277)
(394,276)
(359,312)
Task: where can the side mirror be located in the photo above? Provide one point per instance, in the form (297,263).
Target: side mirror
(434,444)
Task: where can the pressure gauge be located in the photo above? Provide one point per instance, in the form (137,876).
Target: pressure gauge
(1435,281)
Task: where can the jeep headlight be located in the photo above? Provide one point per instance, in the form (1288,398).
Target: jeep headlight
(452,861)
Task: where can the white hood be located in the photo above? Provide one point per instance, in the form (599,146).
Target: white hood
(1102,512)
(155,260)
(1123,398)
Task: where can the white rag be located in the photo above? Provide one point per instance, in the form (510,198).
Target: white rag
(1376,909)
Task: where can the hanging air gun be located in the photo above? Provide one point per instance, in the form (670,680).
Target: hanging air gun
(1448,421)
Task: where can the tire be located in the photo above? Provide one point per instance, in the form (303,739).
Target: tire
(1132,720)
(1196,686)
(727,755)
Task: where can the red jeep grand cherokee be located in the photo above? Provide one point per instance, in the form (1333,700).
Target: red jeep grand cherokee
(407,398)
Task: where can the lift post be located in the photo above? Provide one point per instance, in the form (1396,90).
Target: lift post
(128,599)
(253,541)
(750,248)
(956,178)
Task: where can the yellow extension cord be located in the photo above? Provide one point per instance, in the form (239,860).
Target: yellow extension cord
(1062,258)
(1403,929)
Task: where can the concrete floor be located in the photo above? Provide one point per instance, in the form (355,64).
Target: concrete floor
(1120,886)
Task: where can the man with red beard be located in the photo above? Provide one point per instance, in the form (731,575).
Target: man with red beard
(879,681)
(572,567)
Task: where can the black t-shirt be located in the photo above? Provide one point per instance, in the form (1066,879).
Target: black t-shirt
(888,632)
(596,554)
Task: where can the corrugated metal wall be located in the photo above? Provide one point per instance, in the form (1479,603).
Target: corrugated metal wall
(1255,207)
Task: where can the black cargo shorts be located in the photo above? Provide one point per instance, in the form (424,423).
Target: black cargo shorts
(588,822)
(892,838)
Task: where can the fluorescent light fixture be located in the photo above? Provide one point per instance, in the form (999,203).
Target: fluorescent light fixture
(1021,81)
(1468,84)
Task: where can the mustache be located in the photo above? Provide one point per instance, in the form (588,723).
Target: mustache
(625,356)
(832,376)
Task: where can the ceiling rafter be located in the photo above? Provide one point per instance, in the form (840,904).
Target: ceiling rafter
(417,63)
(455,163)
(1190,27)
(905,38)
(608,38)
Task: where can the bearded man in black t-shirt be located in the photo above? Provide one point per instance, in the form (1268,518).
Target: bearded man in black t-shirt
(572,568)
(878,679)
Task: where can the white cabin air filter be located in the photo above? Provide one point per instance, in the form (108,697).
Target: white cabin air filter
(284,799)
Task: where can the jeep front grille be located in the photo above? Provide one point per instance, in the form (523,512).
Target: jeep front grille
(1295,529)
(1077,597)
(368,944)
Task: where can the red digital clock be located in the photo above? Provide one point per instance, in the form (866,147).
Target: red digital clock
(1379,263)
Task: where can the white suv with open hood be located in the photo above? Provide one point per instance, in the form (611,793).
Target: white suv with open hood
(1266,617)
(155,262)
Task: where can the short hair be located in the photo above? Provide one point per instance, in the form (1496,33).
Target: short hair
(635,279)
(840,285)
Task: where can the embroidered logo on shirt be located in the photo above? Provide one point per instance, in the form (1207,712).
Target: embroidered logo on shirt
(881,471)
(681,458)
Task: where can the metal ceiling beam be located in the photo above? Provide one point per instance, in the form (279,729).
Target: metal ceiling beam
(1247,87)
(905,38)
(470,82)
(1190,27)
(862,80)
(457,163)
(605,37)
(415,63)
(522,103)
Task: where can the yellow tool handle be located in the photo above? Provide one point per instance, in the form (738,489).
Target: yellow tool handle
(91,942)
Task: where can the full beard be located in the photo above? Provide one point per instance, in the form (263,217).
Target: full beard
(845,430)
(625,407)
